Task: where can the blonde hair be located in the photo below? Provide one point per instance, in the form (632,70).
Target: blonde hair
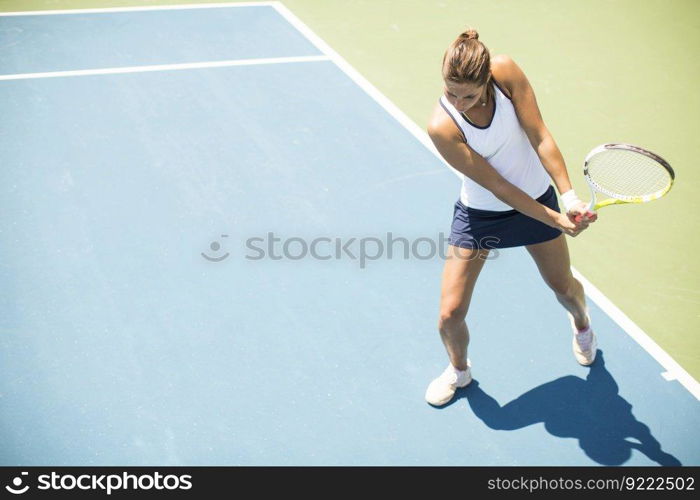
(467,60)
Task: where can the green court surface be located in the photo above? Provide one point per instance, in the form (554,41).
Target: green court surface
(603,71)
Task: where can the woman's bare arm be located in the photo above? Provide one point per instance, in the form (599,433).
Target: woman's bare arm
(508,74)
(451,145)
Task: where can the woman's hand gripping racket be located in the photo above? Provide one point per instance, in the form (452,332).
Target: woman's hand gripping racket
(626,174)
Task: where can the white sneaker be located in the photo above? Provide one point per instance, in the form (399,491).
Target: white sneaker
(442,389)
(584,343)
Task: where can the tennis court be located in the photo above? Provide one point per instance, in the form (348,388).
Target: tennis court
(139,327)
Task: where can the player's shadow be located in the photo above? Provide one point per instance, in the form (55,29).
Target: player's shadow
(589,410)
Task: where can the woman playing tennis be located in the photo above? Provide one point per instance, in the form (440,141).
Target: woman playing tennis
(488,126)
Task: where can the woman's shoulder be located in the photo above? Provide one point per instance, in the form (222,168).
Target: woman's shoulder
(502,65)
(440,122)
(443,129)
(505,72)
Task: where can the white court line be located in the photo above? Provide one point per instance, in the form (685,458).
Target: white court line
(136,9)
(673,369)
(166,67)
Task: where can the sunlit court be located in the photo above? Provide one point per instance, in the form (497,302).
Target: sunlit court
(223,245)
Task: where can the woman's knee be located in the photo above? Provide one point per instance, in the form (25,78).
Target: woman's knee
(452,314)
(564,286)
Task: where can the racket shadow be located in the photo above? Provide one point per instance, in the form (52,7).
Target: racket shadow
(589,410)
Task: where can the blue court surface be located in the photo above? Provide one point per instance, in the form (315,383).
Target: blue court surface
(139,324)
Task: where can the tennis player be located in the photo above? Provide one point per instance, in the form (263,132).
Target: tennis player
(487,125)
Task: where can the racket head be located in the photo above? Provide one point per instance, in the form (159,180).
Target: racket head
(627,174)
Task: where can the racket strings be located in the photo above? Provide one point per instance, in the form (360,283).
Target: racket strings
(627,174)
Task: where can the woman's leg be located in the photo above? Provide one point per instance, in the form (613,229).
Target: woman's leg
(552,259)
(462,268)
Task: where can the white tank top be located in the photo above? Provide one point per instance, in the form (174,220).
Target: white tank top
(504,144)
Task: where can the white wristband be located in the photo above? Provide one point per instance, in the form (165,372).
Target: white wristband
(569,199)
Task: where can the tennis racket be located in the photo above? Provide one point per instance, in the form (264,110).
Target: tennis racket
(625,174)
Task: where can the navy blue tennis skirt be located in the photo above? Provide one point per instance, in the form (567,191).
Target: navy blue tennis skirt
(473,228)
